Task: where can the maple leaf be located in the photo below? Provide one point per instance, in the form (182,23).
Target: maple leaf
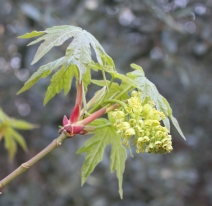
(8,127)
(78,54)
(94,149)
(149,91)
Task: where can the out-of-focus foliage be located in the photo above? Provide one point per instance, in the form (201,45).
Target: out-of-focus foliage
(11,137)
(172,41)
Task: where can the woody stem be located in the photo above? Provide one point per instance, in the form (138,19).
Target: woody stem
(25,166)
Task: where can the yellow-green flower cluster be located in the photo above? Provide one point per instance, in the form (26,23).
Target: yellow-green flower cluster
(142,121)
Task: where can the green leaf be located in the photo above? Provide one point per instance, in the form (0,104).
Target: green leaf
(123,78)
(77,53)
(3,129)
(10,135)
(96,98)
(31,34)
(177,126)
(94,149)
(60,80)
(118,157)
(18,138)
(86,79)
(54,36)
(137,67)
(113,90)
(23,125)
(80,47)
(42,72)
(10,145)
(149,90)
(101,83)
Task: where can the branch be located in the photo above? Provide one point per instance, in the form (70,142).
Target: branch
(54,144)
(25,166)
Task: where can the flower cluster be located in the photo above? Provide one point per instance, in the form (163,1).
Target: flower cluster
(142,121)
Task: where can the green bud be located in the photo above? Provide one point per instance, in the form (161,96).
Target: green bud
(137,109)
(169,148)
(155,123)
(114,114)
(141,132)
(134,93)
(132,122)
(124,125)
(128,110)
(165,140)
(145,139)
(147,123)
(159,134)
(141,123)
(158,144)
(130,132)
(120,114)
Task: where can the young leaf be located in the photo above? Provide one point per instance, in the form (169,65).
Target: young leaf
(77,53)
(42,72)
(149,90)
(54,36)
(137,67)
(20,124)
(3,129)
(94,149)
(10,145)
(18,138)
(177,126)
(31,34)
(113,90)
(11,136)
(60,80)
(118,157)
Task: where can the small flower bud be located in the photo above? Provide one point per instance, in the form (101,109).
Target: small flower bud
(130,132)
(141,123)
(165,140)
(137,128)
(128,110)
(169,148)
(141,132)
(114,114)
(147,124)
(120,114)
(137,109)
(158,144)
(124,125)
(132,122)
(159,134)
(144,139)
(165,146)
(155,123)
(134,93)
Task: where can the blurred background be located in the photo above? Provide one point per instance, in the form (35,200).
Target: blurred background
(172,41)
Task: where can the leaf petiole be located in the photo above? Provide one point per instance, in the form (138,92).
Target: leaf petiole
(102,126)
(116,101)
(103,98)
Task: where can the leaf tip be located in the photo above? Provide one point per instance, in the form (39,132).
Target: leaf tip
(183,137)
(83,181)
(121,193)
(19,92)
